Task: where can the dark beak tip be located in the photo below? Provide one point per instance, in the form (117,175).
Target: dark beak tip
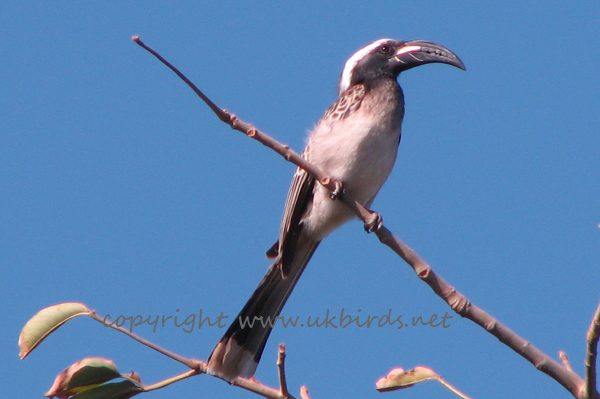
(459,63)
(455,61)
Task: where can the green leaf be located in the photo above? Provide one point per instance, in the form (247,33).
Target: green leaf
(118,390)
(83,375)
(45,322)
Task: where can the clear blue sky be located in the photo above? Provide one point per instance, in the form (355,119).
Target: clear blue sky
(121,190)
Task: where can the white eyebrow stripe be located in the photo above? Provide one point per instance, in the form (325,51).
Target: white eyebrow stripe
(408,49)
(354,60)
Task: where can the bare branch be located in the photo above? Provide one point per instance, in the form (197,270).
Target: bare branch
(304,392)
(249,129)
(281,369)
(592,351)
(458,302)
(565,360)
(208,102)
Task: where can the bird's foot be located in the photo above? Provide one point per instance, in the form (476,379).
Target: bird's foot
(338,191)
(374,224)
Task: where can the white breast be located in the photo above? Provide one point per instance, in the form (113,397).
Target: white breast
(359,151)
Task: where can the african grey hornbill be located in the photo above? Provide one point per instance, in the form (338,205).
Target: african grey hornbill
(355,143)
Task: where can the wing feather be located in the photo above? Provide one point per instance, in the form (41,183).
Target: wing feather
(301,190)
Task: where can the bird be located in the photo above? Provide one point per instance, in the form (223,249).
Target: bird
(355,143)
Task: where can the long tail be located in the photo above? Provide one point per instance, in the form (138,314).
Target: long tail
(240,349)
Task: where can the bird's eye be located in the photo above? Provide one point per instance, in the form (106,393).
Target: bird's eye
(385,49)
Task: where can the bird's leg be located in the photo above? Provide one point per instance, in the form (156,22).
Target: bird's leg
(374,223)
(338,191)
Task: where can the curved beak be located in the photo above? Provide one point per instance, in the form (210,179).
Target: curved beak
(419,52)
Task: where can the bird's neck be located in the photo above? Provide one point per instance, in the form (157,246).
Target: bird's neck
(387,96)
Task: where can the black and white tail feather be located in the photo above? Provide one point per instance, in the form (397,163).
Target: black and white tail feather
(355,142)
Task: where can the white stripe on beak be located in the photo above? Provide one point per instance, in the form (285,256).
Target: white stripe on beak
(408,49)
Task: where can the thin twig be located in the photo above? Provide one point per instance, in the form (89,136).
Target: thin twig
(304,392)
(452,388)
(592,352)
(281,370)
(212,105)
(197,365)
(169,381)
(562,355)
(458,302)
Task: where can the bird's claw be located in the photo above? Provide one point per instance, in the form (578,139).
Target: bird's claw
(338,191)
(374,224)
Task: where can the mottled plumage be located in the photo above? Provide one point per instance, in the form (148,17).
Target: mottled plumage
(348,102)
